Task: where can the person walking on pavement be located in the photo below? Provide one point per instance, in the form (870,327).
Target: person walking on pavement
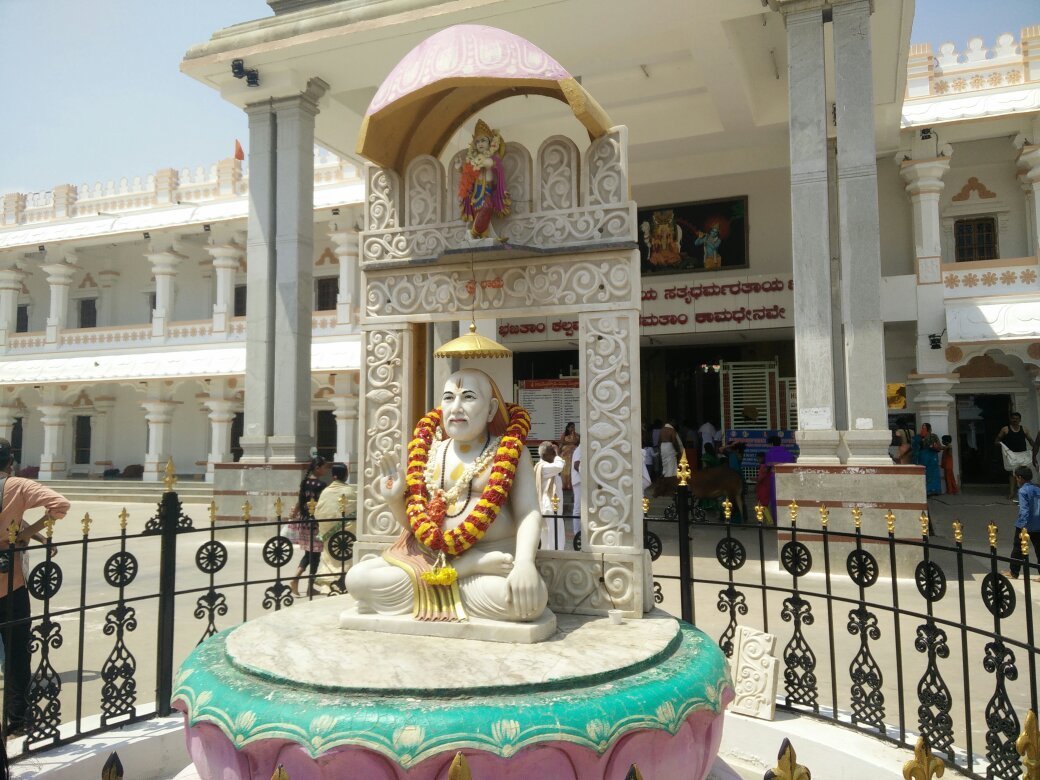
(1017,439)
(1029,519)
(18,496)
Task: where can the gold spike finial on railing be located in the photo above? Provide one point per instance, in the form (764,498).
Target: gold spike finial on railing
(991,530)
(311,506)
(86,524)
(123,517)
(459,769)
(923,520)
(890,521)
(792,509)
(48,526)
(1028,746)
(278,506)
(727,509)
(923,766)
(646,504)
(280,774)
(1023,540)
(113,768)
(787,766)
(247,511)
(683,472)
(825,515)
(212,512)
(958,532)
(857,517)
(554,502)
(12,534)
(342,504)
(760,513)
(171,475)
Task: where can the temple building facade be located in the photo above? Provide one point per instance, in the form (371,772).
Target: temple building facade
(859,221)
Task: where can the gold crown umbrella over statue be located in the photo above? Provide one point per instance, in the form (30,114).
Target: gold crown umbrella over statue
(473,345)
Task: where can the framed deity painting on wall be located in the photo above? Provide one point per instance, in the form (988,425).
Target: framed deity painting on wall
(709,235)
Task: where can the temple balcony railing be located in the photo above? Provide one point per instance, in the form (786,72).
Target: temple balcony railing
(1004,276)
(227,179)
(181,333)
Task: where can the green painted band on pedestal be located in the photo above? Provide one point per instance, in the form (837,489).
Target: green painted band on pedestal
(409,729)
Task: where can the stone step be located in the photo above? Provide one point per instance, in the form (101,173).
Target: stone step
(128,490)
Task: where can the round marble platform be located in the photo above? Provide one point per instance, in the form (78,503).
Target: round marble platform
(581,648)
(292,688)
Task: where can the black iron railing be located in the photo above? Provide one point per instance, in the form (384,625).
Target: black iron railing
(898,638)
(100,603)
(893,637)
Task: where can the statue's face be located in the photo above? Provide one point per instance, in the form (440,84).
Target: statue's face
(482,144)
(468,405)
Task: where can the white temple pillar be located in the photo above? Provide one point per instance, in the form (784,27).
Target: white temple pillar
(933,402)
(924,185)
(345,410)
(346,248)
(107,299)
(159,415)
(101,434)
(1029,159)
(227,259)
(868,437)
(53,464)
(221,415)
(260,261)
(291,439)
(59,277)
(810,243)
(164,269)
(11,277)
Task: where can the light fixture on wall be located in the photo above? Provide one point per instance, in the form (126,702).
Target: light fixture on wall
(935,339)
(239,71)
(147,236)
(42,248)
(206,228)
(926,133)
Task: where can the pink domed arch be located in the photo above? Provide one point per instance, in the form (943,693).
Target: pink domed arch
(448,78)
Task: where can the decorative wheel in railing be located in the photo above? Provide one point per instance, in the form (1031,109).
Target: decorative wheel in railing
(730,553)
(277,551)
(341,545)
(44,580)
(998,595)
(931,581)
(862,568)
(576,543)
(120,569)
(652,542)
(211,557)
(796,558)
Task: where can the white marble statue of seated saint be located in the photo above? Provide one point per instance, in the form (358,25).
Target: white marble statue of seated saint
(494,577)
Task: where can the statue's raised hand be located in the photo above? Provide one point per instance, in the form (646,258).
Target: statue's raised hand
(390,481)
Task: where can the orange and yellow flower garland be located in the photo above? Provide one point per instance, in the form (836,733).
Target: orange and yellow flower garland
(500,481)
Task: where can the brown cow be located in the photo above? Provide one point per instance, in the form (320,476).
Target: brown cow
(714,482)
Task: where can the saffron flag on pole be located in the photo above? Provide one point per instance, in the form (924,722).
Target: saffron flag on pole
(239,154)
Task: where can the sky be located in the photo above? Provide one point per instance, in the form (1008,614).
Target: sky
(93,89)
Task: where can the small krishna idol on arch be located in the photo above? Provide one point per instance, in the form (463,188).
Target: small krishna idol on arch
(482,184)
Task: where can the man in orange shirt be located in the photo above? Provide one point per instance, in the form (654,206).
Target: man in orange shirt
(18,496)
